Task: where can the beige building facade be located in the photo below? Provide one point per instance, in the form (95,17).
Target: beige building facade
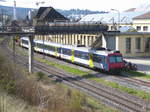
(134,44)
(142,22)
(142,25)
(130,44)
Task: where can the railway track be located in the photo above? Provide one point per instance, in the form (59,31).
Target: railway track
(110,96)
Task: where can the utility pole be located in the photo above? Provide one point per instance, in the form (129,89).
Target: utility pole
(118,17)
(2,12)
(14,11)
(14,29)
(31,53)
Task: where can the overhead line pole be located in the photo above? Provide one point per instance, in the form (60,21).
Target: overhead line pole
(118,17)
(31,53)
(14,29)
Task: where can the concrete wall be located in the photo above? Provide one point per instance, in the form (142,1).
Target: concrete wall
(111,42)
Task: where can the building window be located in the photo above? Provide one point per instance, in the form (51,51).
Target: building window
(128,45)
(147,44)
(138,28)
(145,28)
(138,44)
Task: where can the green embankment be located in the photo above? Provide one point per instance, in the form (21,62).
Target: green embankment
(139,74)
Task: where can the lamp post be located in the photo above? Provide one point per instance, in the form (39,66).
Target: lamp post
(118,17)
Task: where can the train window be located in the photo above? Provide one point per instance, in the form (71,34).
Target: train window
(97,58)
(112,59)
(50,48)
(77,54)
(82,55)
(67,51)
(25,42)
(115,59)
(59,50)
(46,47)
(37,44)
(119,59)
(41,46)
(103,59)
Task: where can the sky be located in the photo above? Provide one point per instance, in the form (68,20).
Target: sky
(96,5)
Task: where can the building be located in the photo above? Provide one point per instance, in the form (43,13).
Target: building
(46,15)
(132,44)
(142,22)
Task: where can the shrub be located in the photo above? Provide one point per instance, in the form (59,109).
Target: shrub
(40,75)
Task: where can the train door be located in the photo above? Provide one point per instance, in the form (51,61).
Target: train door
(104,63)
(91,60)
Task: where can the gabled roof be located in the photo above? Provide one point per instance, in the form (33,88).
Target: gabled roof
(143,16)
(125,17)
(40,11)
(130,10)
(49,13)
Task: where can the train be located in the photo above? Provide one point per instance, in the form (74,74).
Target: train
(103,59)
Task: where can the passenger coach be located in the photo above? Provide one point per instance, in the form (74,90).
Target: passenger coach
(110,61)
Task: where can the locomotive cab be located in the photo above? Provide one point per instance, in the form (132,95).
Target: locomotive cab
(115,62)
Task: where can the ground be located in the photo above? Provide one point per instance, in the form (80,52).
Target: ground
(143,63)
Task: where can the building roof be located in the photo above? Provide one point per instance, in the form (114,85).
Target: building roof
(130,10)
(134,33)
(49,13)
(143,16)
(40,11)
(125,17)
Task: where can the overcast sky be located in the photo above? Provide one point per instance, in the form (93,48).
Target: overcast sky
(100,5)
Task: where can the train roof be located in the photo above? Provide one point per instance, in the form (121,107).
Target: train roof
(25,38)
(47,43)
(103,51)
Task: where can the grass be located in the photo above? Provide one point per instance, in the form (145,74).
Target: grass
(139,74)
(1,39)
(96,105)
(64,67)
(40,75)
(139,93)
(79,98)
(9,103)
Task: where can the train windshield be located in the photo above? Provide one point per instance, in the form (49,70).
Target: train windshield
(115,59)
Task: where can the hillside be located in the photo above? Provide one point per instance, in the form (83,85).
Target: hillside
(22,12)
